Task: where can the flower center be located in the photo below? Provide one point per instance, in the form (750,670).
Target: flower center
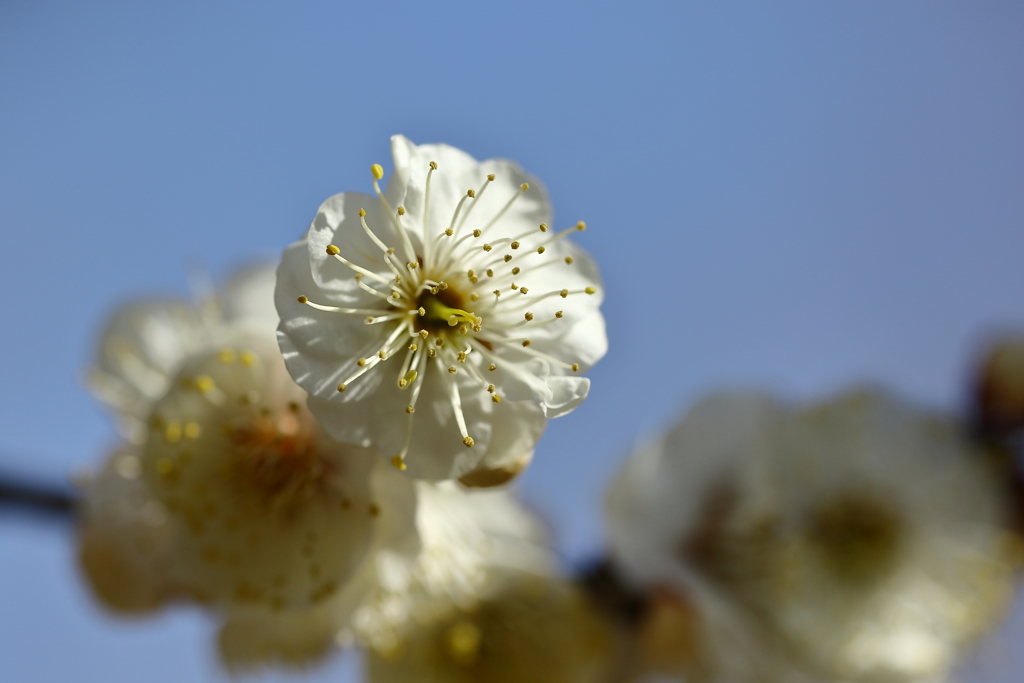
(857,536)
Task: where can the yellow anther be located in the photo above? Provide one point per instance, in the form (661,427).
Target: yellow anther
(398,462)
(468,441)
(581,226)
(192,430)
(474,297)
(443,285)
(490,176)
(490,273)
(575,367)
(508,257)
(526,342)
(541,250)
(524,290)
(471,193)
(433,165)
(431,353)
(303,300)
(478,328)
(410,410)
(463,329)
(361,362)
(448,232)
(568,260)
(377,170)
(413,265)
(490,388)
(421,310)
(496,398)
(452,369)
(410,377)
(358,276)
(514,245)
(462,356)
(492,367)
(413,347)
(424,333)
(477,232)
(529,316)
(402,383)
(172,432)
(559,314)
(439,341)
(487,247)
(452,321)
(382,354)
(470,273)
(435,290)
(524,187)
(543,227)
(514,286)
(497,292)
(369,319)
(205,384)
(590,290)
(401,211)
(564,293)
(341,387)
(391,250)
(333,249)
(227,356)
(515,271)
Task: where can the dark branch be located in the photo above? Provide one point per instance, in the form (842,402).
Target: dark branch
(30,497)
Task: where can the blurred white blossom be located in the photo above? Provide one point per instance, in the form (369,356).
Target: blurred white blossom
(860,540)
(441,314)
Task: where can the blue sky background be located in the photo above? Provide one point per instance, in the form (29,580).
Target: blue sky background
(795,195)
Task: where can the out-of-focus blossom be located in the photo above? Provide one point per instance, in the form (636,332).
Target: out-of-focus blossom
(1000,387)
(236,498)
(441,314)
(145,343)
(860,540)
(525,628)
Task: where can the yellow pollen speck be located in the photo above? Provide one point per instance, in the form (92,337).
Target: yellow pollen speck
(303,300)
(248,358)
(410,410)
(333,250)
(568,260)
(477,232)
(172,432)
(564,293)
(590,290)
(398,462)
(490,176)
(490,273)
(462,356)
(421,310)
(401,211)
(575,367)
(413,347)
(524,187)
(474,297)
(526,342)
(529,316)
(523,290)
(205,384)
(448,232)
(402,383)
(463,329)
(541,250)
(487,247)
(492,367)
(497,292)
(382,354)
(453,369)
(341,387)
(361,362)
(369,319)
(377,170)
(192,430)
(358,277)
(515,271)
(478,327)
(435,290)
(433,165)
(508,257)
(468,441)
(362,213)
(496,398)
(543,227)
(227,356)
(471,193)
(581,226)
(470,273)
(559,314)
(413,265)
(431,353)
(514,245)
(391,250)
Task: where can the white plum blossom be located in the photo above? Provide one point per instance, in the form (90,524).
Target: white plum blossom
(860,540)
(445,319)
